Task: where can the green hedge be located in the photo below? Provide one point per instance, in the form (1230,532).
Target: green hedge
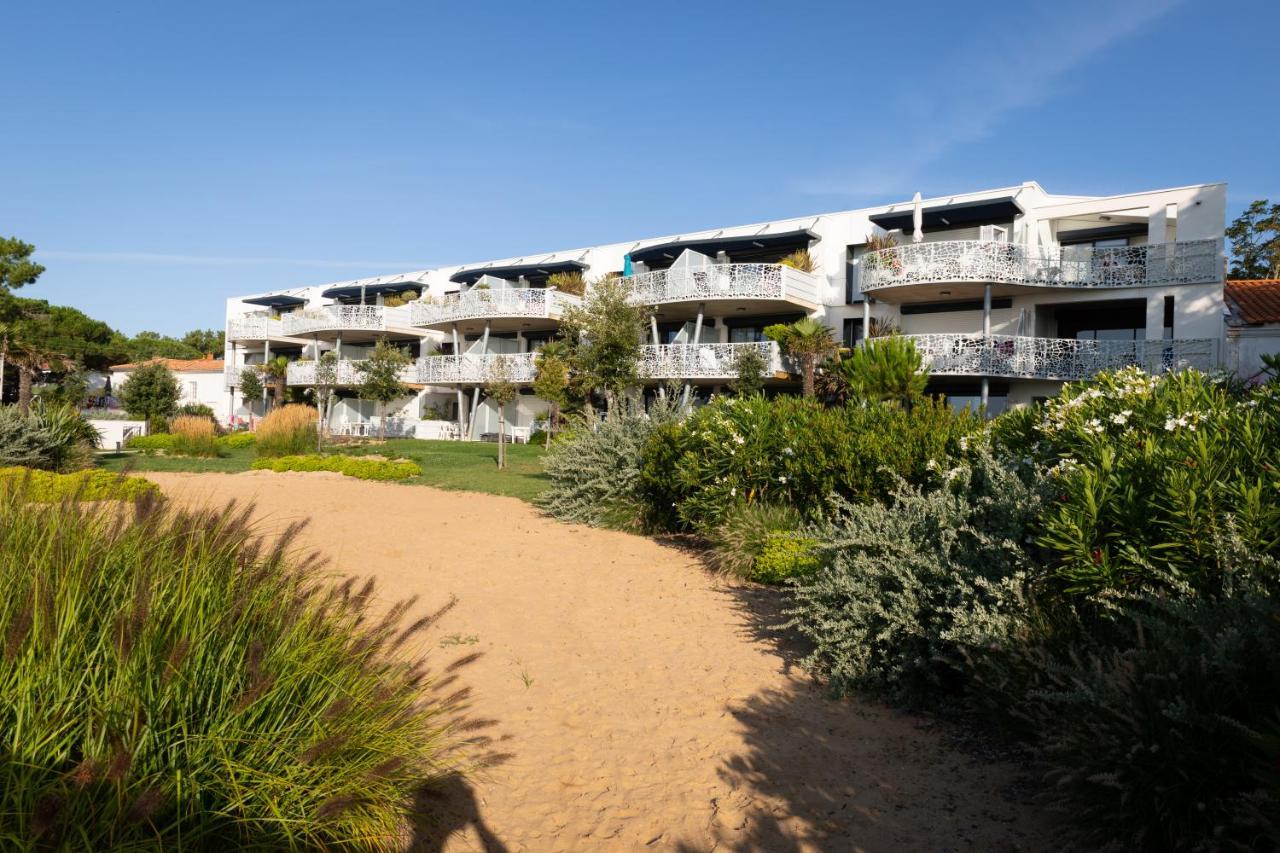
(48,487)
(351,466)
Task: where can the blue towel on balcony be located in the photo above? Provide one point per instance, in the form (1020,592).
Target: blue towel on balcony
(626,265)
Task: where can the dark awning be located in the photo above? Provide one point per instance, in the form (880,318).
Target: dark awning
(742,248)
(942,216)
(275,300)
(514,271)
(348,291)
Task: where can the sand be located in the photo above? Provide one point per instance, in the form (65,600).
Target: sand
(640,702)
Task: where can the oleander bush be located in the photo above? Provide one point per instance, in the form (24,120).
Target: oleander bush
(362,468)
(170,681)
(194,435)
(50,437)
(51,487)
(792,451)
(1147,470)
(287,431)
(594,469)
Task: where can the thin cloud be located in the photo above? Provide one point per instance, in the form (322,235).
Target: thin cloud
(223,260)
(1025,68)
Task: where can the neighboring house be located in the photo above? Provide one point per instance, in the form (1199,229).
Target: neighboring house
(1007,292)
(201,380)
(1253,324)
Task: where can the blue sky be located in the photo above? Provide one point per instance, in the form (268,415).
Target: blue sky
(163,156)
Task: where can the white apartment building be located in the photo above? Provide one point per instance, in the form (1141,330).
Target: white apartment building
(1007,293)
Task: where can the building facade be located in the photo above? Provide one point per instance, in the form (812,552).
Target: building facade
(200,381)
(1007,293)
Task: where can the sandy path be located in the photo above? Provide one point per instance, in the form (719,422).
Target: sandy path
(638,703)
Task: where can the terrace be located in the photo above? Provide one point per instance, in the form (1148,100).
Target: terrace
(515,305)
(704,361)
(911,272)
(476,368)
(345,373)
(365,321)
(1067,359)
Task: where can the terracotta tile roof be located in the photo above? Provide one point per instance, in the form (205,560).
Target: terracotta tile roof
(180,365)
(1256,300)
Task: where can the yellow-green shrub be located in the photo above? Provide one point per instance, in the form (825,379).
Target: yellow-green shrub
(193,435)
(287,431)
(236,440)
(155,441)
(784,555)
(48,487)
(350,466)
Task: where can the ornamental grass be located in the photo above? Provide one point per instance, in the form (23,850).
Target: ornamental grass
(168,679)
(287,431)
(194,435)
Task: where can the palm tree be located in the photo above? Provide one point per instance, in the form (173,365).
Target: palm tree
(275,371)
(809,341)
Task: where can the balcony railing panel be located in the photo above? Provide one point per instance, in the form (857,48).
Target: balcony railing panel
(985,261)
(373,318)
(724,281)
(502,302)
(345,373)
(1019,357)
(476,368)
(703,361)
(252,327)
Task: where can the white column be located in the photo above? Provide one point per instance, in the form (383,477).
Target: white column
(266,359)
(866,319)
(697,335)
(653,326)
(986,335)
(462,400)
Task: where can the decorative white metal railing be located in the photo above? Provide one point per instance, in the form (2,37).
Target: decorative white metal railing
(724,281)
(232,376)
(345,372)
(983,261)
(500,302)
(476,367)
(375,318)
(1018,357)
(703,361)
(253,327)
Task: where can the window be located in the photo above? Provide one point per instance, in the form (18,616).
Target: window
(852,295)
(747,335)
(852,332)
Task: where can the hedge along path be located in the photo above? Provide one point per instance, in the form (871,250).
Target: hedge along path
(634,700)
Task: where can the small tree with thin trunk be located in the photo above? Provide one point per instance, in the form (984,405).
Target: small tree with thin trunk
(380,378)
(552,384)
(604,334)
(151,392)
(250,386)
(276,372)
(807,340)
(749,367)
(501,390)
(326,383)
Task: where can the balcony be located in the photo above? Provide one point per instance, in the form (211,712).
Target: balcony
(345,373)
(476,368)
(704,361)
(232,376)
(762,286)
(370,319)
(514,304)
(1067,359)
(910,272)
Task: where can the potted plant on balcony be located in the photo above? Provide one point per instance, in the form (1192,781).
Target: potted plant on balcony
(571,282)
(873,260)
(800,259)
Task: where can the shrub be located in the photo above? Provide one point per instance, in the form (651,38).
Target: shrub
(359,467)
(50,487)
(50,437)
(155,441)
(193,435)
(150,392)
(169,682)
(785,556)
(907,585)
(1149,469)
(738,541)
(196,410)
(595,472)
(792,451)
(287,431)
(237,440)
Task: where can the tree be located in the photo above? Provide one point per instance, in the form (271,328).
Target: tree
(886,369)
(552,382)
(204,341)
(749,367)
(16,267)
(501,390)
(1255,241)
(250,386)
(325,382)
(151,392)
(604,335)
(380,378)
(276,374)
(148,345)
(807,340)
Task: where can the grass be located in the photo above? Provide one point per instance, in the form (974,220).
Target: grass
(460,465)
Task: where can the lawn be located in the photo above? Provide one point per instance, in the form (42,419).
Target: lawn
(463,465)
